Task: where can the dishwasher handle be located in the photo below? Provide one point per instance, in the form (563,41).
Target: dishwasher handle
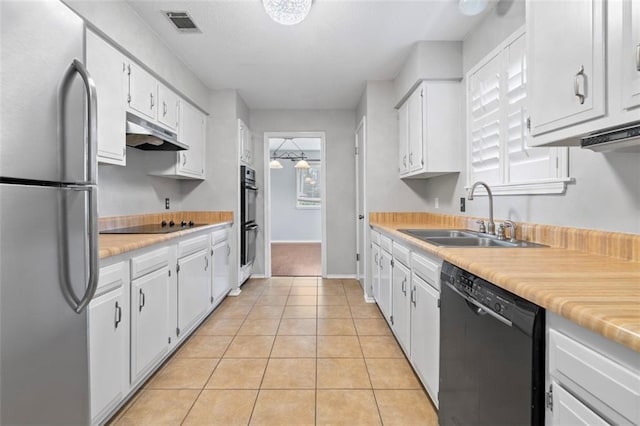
(481,310)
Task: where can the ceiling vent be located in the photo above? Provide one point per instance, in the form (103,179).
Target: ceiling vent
(183,22)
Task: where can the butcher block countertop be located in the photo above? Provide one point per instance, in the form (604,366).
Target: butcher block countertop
(589,277)
(114,244)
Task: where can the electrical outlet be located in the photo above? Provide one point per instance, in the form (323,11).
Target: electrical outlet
(167,204)
(436,203)
(462,204)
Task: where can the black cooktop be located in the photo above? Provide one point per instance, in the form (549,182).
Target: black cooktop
(154,228)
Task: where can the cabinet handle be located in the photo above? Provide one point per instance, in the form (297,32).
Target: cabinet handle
(576,85)
(142,301)
(404,286)
(206,263)
(404,161)
(228,250)
(164,108)
(411,158)
(184,159)
(118,314)
(638,57)
(413,296)
(151,100)
(375,259)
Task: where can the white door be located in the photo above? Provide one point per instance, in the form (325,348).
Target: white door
(416,116)
(194,286)
(192,131)
(108,69)
(143,91)
(149,328)
(425,335)
(167,107)
(375,272)
(401,311)
(361,211)
(631,54)
(221,271)
(566,63)
(385,284)
(403,138)
(108,350)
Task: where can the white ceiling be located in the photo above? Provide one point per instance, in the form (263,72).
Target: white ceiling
(321,63)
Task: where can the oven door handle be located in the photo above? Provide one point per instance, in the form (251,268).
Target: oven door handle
(251,227)
(481,309)
(251,187)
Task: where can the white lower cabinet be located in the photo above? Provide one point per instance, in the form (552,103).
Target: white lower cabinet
(401,308)
(221,266)
(375,271)
(149,328)
(109,341)
(193,289)
(386,277)
(568,410)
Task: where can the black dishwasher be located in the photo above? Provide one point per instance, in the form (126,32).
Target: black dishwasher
(491,354)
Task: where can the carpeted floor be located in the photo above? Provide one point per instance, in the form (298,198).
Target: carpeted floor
(295,259)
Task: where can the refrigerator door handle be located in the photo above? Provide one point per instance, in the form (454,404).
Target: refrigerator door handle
(79,304)
(92,120)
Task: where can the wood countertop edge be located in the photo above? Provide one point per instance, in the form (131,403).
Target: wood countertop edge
(138,241)
(594,316)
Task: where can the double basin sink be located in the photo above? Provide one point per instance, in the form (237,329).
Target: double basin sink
(463,238)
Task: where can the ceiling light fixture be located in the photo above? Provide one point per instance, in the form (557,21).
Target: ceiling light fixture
(472,7)
(287,12)
(298,156)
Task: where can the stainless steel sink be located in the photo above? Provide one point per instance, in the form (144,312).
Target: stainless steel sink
(437,233)
(463,238)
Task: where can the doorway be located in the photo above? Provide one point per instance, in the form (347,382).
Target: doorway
(295,177)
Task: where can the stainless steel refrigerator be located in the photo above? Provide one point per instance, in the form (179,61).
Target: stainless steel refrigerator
(48,225)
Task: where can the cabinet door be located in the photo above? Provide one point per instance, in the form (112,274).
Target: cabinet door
(631,54)
(194,287)
(108,69)
(567,410)
(149,328)
(425,335)
(401,311)
(109,349)
(416,118)
(221,271)
(143,92)
(375,271)
(566,69)
(167,107)
(192,132)
(385,284)
(403,138)
(246,143)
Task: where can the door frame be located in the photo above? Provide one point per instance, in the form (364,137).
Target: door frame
(267,195)
(362,225)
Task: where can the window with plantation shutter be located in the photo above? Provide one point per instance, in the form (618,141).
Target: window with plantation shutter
(498,153)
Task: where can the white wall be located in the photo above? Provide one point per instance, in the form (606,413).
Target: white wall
(289,223)
(606,193)
(339,126)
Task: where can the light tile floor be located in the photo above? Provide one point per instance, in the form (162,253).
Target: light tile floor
(287,351)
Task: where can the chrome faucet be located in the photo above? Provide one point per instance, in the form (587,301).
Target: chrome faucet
(491,226)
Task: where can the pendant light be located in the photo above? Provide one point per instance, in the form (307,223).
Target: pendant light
(302,164)
(287,12)
(275,164)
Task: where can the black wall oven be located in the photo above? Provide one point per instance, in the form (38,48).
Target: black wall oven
(248,200)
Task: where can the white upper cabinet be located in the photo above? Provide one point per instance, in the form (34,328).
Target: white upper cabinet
(566,50)
(631,54)
(107,66)
(193,129)
(143,92)
(245,140)
(428,132)
(167,107)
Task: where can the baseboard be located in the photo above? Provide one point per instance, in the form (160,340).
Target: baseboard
(369,299)
(235,292)
(257,276)
(296,241)
(341,276)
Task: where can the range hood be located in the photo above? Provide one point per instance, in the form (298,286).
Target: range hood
(625,138)
(143,134)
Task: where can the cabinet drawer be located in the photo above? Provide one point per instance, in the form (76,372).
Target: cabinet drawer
(149,262)
(401,254)
(375,237)
(427,269)
(567,410)
(112,277)
(219,236)
(192,245)
(586,372)
(385,243)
